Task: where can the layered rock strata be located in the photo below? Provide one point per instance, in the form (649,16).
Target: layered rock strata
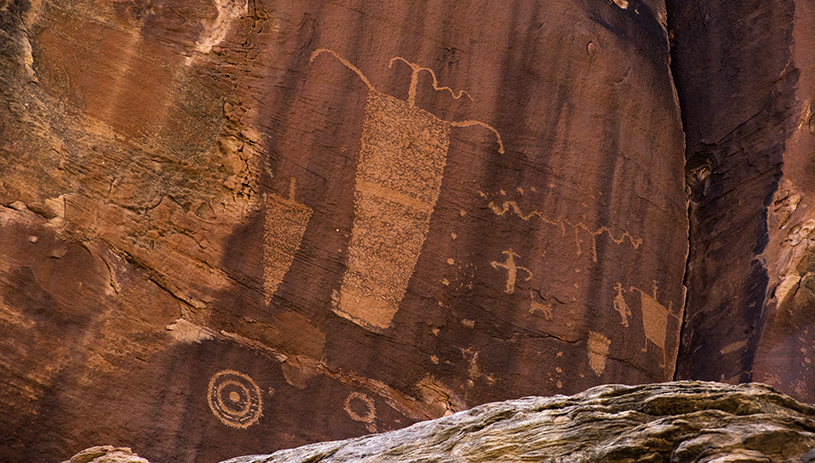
(106,454)
(677,422)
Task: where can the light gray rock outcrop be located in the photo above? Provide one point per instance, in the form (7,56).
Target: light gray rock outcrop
(106,454)
(676,422)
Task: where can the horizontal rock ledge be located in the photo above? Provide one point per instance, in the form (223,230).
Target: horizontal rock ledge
(677,422)
(685,421)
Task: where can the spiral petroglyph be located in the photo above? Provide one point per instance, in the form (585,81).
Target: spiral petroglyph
(234,399)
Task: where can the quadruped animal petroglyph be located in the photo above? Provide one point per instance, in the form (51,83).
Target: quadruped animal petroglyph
(654,316)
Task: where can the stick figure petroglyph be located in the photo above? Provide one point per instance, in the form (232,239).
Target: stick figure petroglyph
(620,305)
(512,270)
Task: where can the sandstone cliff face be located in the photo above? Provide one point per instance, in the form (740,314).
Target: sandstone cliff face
(232,226)
(745,81)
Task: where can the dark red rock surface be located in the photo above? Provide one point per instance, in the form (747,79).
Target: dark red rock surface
(738,105)
(228,227)
(744,78)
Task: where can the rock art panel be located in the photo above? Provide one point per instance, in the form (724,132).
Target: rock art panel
(158,146)
(399,175)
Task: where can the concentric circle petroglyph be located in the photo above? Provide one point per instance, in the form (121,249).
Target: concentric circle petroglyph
(234,399)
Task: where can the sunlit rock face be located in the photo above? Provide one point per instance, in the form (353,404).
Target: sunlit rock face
(234,226)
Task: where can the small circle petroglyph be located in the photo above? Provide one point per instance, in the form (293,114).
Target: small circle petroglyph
(234,399)
(368,417)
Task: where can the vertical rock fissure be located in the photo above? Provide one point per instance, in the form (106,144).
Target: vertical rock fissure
(673,71)
(736,92)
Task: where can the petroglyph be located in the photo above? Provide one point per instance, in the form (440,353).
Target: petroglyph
(620,305)
(654,317)
(598,352)
(512,270)
(535,306)
(655,321)
(565,226)
(368,416)
(402,157)
(398,181)
(234,399)
(286,222)
(414,81)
